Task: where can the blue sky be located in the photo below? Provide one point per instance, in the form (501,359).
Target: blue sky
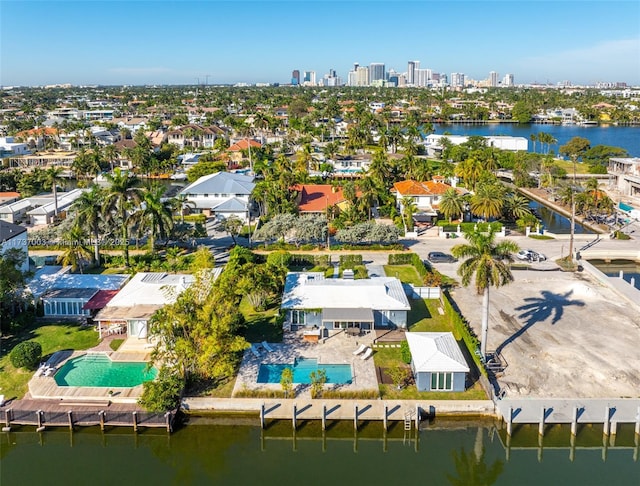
(170,42)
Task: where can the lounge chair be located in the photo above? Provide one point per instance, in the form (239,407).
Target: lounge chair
(367,354)
(266,346)
(50,371)
(255,352)
(360,350)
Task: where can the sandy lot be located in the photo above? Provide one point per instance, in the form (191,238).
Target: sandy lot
(563,335)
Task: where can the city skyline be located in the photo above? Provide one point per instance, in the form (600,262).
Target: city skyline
(139,42)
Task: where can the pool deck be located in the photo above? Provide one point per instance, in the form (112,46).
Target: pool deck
(45,387)
(338,348)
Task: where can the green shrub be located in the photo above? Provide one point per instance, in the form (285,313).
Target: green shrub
(405,352)
(350,261)
(351,395)
(163,393)
(280,257)
(26,355)
(115,344)
(248,393)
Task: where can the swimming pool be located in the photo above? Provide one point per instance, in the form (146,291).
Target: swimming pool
(302,368)
(99,371)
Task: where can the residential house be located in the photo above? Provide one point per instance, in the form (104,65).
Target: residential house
(426,196)
(318,198)
(437,362)
(221,194)
(10,148)
(65,294)
(195,136)
(14,236)
(236,150)
(137,301)
(625,174)
(311,301)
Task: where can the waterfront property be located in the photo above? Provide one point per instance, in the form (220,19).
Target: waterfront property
(134,305)
(437,362)
(311,301)
(302,368)
(98,370)
(625,173)
(318,198)
(13,236)
(426,196)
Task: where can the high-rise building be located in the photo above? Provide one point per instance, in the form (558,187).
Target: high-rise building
(507,81)
(411,69)
(457,80)
(376,72)
(421,77)
(493,79)
(310,78)
(295,77)
(362,76)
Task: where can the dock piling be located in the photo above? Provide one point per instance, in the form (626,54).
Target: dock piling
(262,410)
(417,418)
(70,415)
(638,422)
(101,416)
(134,414)
(574,422)
(510,422)
(541,424)
(385,417)
(7,421)
(40,427)
(294,416)
(324,416)
(607,419)
(355,417)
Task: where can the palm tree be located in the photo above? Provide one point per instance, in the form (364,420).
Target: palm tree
(88,211)
(488,201)
(452,204)
(75,252)
(180,203)
(121,194)
(516,207)
(470,170)
(155,214)
(487,264)
(53,176)
(407,208)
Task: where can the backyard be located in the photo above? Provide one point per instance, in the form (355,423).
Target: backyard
(405,273)
(52,338)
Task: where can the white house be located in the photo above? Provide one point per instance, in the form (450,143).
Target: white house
(309,300)
(433,142)
(426,196)
(221,194)
(625,175)
(436,361)
(14,236)
(137,301)
(9,147)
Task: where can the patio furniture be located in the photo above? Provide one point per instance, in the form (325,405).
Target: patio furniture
(255,352)
(367,354)
(353,331)
(311,336)
(360,350)
(266,346)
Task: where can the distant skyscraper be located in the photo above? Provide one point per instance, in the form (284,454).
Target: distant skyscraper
(310,78)
(493,79)
(457,80)
(295,77)
(362,76)
(376,72)
(507,81)
(421,77)
(411,69)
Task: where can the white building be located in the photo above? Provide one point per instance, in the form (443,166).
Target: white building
(433,142)
(625,175)
(221,194)
(14,236)
(9,147)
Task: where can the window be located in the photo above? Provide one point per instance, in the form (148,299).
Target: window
(442,381)
(297,317)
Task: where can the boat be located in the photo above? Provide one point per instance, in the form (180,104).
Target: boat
(178,176)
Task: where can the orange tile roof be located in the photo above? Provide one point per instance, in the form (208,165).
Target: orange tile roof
(415,188)
(9,194)
(244,145)
(315,197)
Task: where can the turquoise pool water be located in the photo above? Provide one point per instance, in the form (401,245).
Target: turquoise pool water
(302,368)
(98,370)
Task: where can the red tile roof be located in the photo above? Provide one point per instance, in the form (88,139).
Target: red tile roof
(415,188)
(100,300)
(244,145)
(315,197)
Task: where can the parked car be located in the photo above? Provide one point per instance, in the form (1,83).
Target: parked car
(530,256)
(439,257)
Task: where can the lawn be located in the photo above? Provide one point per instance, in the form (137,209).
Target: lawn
(261,326)
(406,274)
(389,357)
(424,317)
(52,338)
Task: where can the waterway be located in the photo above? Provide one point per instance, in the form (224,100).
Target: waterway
(630,269)
(627,138)
(555,222)
(242,454)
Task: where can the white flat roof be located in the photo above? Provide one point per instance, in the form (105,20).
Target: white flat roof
(312,291)
(151,288)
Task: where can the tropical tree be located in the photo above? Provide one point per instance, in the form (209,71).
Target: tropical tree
(180,203)
(452,204)
(123,192)
(88,212)
(488,200)
(52,177)
(516,207)
(75,251)
(232,225)
(408,207)
(486,264)
(470,170)
(155,214)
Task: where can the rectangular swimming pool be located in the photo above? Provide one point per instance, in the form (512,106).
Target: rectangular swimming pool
(302,368)
(99,371)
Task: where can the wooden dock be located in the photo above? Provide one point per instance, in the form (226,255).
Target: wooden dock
(70,413)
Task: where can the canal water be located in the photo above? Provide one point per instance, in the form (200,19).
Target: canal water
(627,138)
(630,269)
(555,222)
(242,454)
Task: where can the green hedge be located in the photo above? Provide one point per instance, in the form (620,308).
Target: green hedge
(309,260)
(463,330)
(192,218)
(350,261)
(497,225)
(409,259)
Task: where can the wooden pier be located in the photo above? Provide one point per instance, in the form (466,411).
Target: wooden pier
(66,413)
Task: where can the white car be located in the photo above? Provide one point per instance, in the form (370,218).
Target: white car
(530,256)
